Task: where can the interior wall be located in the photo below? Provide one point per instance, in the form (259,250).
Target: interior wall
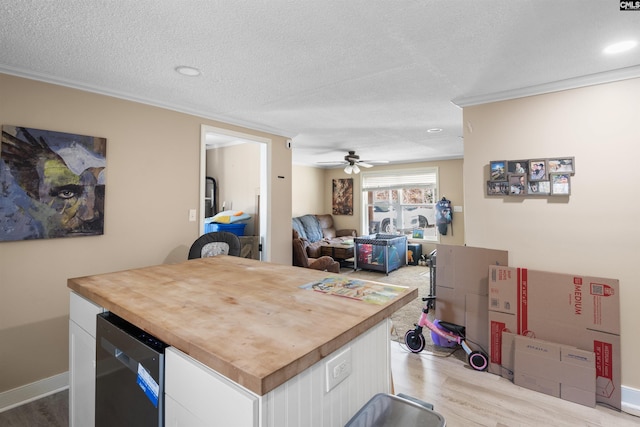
(449,185)
(595,230)
(236,170)
(307,190)
(153,158)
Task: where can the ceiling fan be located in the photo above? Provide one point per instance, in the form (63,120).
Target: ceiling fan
(353,163)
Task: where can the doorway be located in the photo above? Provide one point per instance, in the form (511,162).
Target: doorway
(255,192)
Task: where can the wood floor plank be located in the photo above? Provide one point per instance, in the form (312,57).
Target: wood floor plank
(469,398)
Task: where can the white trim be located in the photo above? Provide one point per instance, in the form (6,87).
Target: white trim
(631,400)
(29,392)
(573,83)
(153,102)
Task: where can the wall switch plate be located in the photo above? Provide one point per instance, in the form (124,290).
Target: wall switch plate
(338,369)
(457,208)
(192,215)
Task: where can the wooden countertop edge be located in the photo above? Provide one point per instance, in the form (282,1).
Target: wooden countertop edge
(258,385)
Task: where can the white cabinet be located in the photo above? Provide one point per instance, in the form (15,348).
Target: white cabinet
(82,361)
(196,395)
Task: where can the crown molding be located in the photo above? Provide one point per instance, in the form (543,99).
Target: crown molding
(572,83)
(152,102)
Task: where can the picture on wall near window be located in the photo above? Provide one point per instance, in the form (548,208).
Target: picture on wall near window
(497,188)
(517,184)
(343,196)
(561,165)
(518,166)
(418,233)
(560,184)
(539,188)
(498,170)
(537,170)
(52,184)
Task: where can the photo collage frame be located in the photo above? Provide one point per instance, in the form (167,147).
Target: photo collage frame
(531,177)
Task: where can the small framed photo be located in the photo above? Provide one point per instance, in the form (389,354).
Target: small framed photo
(561,165)
(497,188)
(539,188)
(517,184)
(418,233)
(498,170)
(560,184)
(518,166)
(538,170)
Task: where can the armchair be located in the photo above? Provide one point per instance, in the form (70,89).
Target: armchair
(300,258)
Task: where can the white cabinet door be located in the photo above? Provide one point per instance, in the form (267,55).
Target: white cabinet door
(196,395)
(82,361)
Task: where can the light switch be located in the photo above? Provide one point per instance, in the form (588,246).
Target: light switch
(457,208)
(192,215)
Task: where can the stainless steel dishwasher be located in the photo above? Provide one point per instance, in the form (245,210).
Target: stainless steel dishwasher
(129,375)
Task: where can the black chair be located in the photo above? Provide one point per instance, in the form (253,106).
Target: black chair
(215,243)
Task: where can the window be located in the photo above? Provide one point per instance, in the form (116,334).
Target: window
(401,202)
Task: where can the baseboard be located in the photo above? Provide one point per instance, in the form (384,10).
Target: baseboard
(30,392)
(631,400)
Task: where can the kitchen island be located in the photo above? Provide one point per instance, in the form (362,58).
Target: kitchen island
(250,344)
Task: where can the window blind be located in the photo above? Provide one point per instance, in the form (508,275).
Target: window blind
(399,179)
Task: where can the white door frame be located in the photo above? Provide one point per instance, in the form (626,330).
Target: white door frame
(265,190)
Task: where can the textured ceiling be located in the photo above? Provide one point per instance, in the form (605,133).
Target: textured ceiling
(365,75)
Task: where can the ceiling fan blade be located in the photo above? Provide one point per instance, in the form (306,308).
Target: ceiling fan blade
(365,165)
(375,162)
(335,162)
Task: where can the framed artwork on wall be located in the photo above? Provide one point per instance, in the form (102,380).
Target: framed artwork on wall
(518,166)
(539,188)
(517,184)
(537,170)
(498,170)
(53,184)
(342,196)
(560,184)
(564,165)
(497,188)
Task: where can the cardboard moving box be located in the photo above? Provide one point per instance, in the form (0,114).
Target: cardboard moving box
(578,311)
(462,283)
(555,369)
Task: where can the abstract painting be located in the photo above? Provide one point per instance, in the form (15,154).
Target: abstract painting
(52,184)
(343,196)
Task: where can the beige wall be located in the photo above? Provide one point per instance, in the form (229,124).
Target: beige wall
(312,193)
(308,190)
(594,231)
(153,158)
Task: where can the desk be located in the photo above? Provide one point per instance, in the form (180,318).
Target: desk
(250,326)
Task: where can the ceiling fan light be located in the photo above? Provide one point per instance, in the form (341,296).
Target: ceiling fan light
(356,169)
(348,169)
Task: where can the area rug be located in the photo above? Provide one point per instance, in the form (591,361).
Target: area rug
(406,317)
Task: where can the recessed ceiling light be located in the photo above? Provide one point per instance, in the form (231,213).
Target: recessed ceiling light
(434,130)
(188,71)
(620,47)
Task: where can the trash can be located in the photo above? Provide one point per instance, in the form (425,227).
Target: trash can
(387,410)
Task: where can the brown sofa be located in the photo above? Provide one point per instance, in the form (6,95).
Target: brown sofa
(319,230)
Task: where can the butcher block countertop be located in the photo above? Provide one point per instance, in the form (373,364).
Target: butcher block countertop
(248,320)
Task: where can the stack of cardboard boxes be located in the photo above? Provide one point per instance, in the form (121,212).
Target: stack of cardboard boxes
(562,309)
(555,333)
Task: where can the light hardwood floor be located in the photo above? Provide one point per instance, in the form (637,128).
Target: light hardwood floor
(463,396)
(469,398)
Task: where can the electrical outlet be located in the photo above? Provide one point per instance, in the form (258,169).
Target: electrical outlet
(338,368)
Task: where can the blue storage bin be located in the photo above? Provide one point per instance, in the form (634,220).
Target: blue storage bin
(237,229)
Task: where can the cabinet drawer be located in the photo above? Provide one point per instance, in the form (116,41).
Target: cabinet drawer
(83,312)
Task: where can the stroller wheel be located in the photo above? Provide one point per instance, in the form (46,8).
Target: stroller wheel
(414,340)
(478,360)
